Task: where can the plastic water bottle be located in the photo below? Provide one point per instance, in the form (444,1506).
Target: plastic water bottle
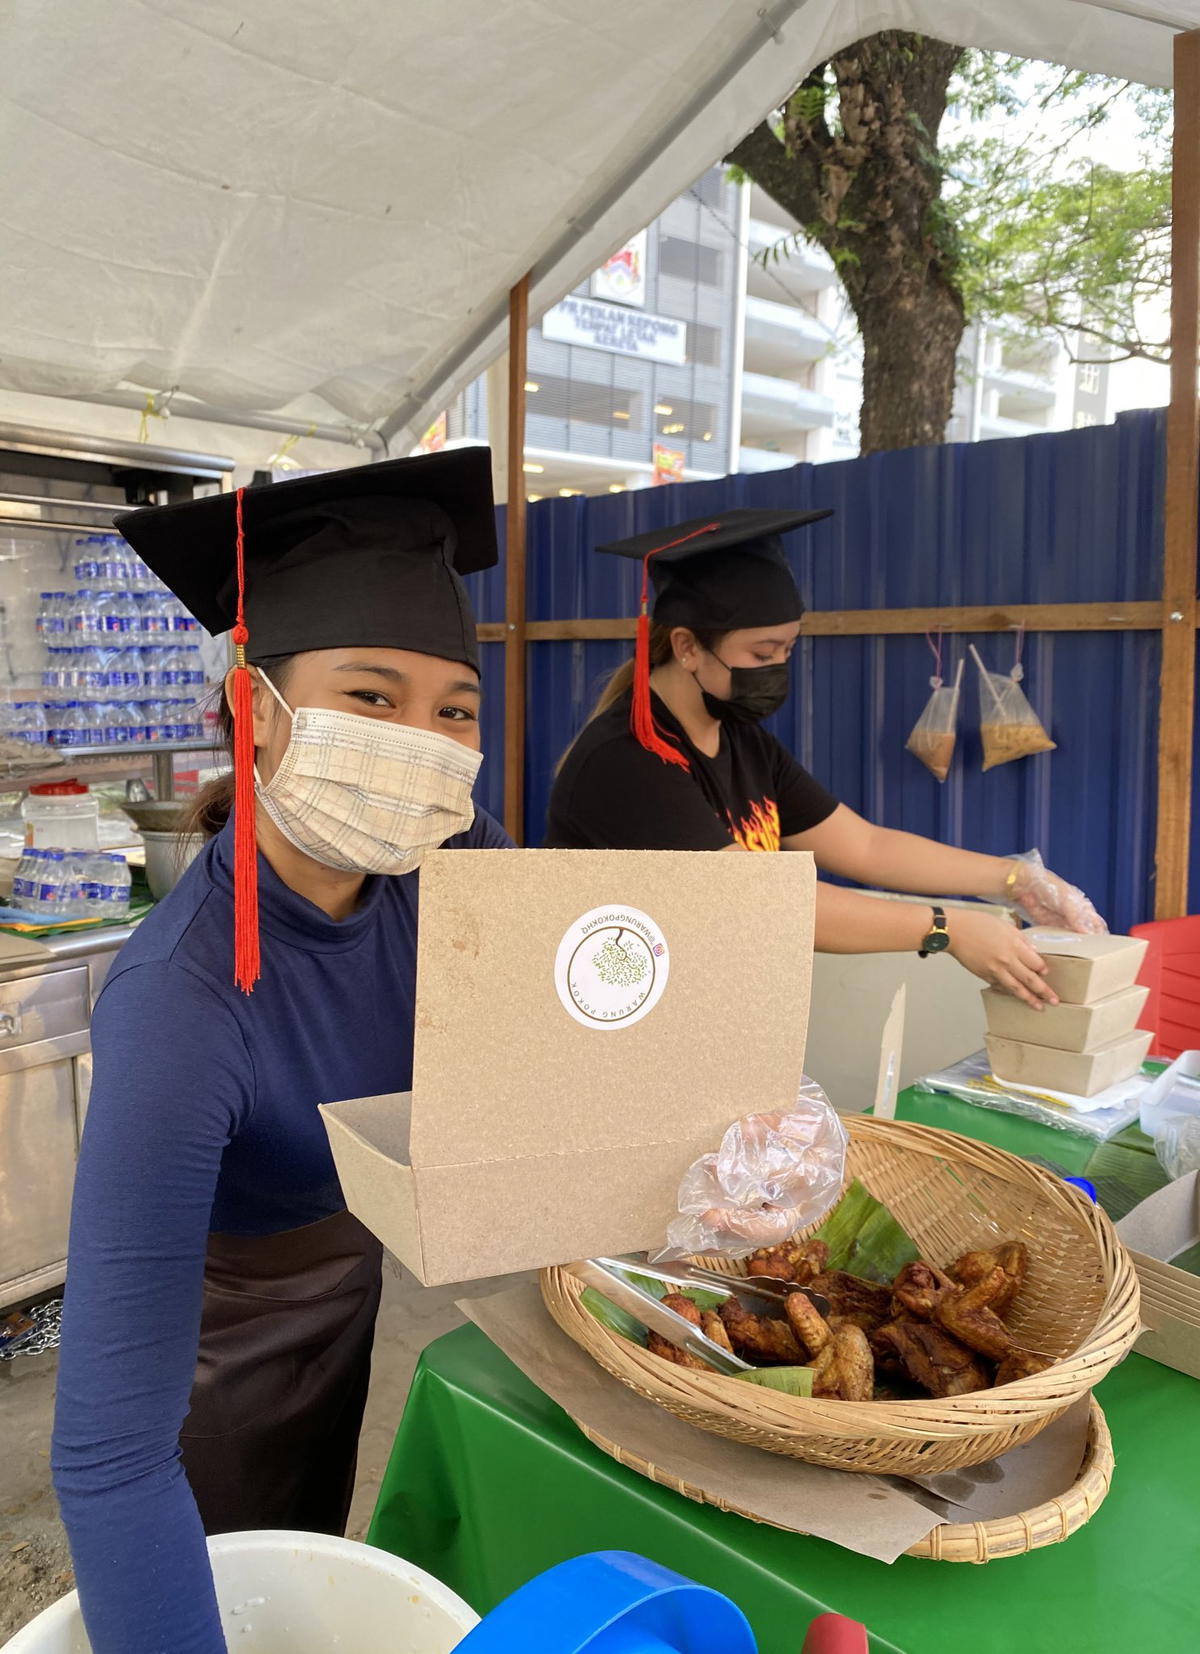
(29,722)
(155,612)
(71,904)
(48,898)
(23,879)
(73,728)
(122,881)
(108,887)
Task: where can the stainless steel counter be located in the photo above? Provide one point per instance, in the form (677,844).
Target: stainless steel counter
(45,1075)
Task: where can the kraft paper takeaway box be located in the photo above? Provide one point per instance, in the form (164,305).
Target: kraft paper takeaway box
(587,1024)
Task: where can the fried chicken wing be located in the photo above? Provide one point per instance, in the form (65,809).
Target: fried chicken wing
(682,1306)
(795,1261)
(853,1299)
(759,1338)
(918,1287)
(845,1369)
(658,1345)
(712,1326)
(806,1321)
(967,1316)
(932,1359)
(1012,1257)
(1019,1363)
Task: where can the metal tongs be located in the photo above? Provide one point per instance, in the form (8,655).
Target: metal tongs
(616,1280)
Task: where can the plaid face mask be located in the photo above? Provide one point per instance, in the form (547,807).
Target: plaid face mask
(365,796)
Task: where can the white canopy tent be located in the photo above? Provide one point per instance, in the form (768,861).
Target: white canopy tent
(339,214)
(321,208)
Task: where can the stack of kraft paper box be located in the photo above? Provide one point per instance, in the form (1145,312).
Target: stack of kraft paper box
(1090,1039)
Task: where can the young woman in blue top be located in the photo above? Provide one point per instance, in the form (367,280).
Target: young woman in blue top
(221,1302)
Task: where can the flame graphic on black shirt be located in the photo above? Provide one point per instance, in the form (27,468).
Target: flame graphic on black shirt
(760,829)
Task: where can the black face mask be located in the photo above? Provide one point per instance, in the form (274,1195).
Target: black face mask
(754,693)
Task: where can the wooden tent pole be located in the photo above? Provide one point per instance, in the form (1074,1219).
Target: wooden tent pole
(515,653)
(1177,684)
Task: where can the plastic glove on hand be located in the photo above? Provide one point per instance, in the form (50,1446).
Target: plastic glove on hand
(1043,898)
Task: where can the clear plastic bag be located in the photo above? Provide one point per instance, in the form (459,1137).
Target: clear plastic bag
(773,1174)
(1042,898)
(933,734)
(972,1081)
(1177,1145)
(1008,725)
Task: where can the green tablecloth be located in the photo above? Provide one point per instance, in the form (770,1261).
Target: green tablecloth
(490,1482)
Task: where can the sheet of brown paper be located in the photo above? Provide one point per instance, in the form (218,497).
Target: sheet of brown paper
(1020,1480)
(880,1517)
(887,1087)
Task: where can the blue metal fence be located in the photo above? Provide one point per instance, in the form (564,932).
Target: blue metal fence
(1068,517)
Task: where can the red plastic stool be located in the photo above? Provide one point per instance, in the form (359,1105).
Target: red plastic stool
(1171,971)
(834,1634)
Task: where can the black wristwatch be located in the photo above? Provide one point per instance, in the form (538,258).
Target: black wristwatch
(938,939)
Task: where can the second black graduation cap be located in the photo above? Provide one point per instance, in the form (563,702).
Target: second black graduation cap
(367,556)
(721,573)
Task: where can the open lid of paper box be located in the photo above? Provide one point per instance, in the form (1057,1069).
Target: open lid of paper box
(1065,944)
(587,1022)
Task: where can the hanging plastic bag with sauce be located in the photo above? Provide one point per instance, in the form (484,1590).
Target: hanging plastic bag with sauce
(934,733)
(1008,725)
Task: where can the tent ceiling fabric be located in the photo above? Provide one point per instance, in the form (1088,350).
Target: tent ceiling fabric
(258,204)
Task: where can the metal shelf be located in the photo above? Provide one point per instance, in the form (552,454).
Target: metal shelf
(105,763)
(133,749)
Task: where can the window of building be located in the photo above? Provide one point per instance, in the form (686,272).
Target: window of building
(1089,378)
(1083,419)
(689,260)
(676,419)
(580,399)
(704,344)
(711,188)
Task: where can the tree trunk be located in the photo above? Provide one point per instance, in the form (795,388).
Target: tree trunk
(868,190)
(910,344)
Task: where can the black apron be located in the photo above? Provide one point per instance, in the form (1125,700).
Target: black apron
(271,1440)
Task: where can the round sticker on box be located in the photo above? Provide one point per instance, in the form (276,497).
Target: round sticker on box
(612,967)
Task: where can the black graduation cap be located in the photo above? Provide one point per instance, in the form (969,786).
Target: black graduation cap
(721,573)
(716,574)
(369,555)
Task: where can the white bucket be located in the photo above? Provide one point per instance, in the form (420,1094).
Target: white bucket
(300,1593)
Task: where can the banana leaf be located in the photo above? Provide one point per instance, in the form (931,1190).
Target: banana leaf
(625,1325)
(608,1315)
(792,1381)
(864,1238)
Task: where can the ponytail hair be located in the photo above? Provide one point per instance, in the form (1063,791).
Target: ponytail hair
(621,682)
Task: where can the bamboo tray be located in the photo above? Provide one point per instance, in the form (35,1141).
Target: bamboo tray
(1079,1304)
(977,1542)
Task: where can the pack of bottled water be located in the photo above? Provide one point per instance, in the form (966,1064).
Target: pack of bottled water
(58,885)
(123,662)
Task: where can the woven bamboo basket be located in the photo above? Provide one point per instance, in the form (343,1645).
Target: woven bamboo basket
(977,1542)
(1079,1304)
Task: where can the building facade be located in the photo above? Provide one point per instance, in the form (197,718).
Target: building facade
(719,340)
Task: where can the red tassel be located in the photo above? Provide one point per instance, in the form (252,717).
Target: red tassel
(641,718)
(246,970)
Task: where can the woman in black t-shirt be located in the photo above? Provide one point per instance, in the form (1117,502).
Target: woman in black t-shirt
(675,758)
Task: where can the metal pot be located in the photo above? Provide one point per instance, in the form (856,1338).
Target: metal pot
(167,857)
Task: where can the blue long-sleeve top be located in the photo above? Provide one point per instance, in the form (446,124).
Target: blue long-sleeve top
(203,1117)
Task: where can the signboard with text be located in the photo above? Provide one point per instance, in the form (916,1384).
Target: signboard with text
(579,321)
(668,464)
